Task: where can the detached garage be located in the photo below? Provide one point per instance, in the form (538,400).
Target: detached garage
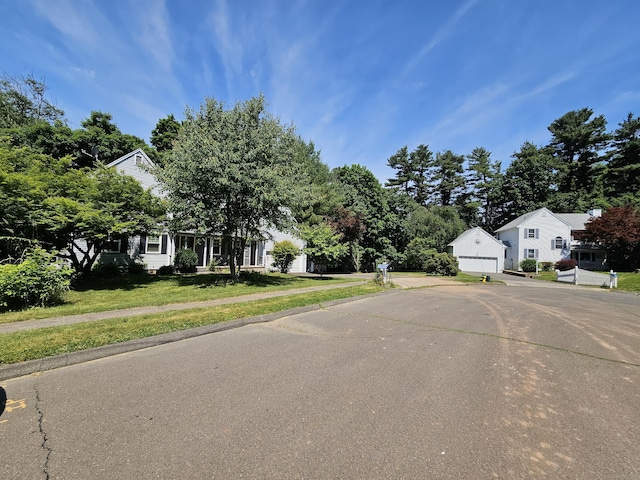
(478,251)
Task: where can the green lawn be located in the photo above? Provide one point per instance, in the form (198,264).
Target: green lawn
(32,344)
(627,281)
(115,293)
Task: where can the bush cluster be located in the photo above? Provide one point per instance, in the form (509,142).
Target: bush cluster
(528,265)
(186,261)
(36,281)
(284,253)
(566,264)
(440,264)
(166,270)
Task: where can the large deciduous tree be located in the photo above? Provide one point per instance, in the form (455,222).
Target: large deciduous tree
(76,211)
(23,101)
(230,171)
(618,231)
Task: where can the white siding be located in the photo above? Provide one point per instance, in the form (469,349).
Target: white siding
(478,251)
(299,264)
(547,227)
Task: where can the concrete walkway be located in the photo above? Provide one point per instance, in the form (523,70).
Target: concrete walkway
(358,279)
(132,312)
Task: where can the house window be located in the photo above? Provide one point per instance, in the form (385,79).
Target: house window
(531,253)
(559,243)
(112,246)
(216,248)
(531,233)
(138,160)
(153,244)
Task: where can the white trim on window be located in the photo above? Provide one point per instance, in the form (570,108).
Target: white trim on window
(153,244)
(216,247)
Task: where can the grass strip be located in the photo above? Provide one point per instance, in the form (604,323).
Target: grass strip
(133,291)
(34,344)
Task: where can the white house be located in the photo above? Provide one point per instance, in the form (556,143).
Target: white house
(589,256)
(158,250)
(540,235)
(478,251)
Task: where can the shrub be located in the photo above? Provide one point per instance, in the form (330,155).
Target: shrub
(284,253)
(186,261)
(566,264)
(417,250)
(528,265)
(440,264)
(107,269)
(166,270)
(37,281)
(547,266)
(136,268)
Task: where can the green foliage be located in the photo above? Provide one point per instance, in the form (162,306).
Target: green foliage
(435,263)
(366,203)
(36,281)
(166,270)
(136,268)
(284,253)
(417,250)
(231,172)
(576,142)
(546,266)
(439,225)
(76,211)
(23,101)
(186,261)
(322,245)
(528,265)
(107,269)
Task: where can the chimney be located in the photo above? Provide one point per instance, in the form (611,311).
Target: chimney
(595,212)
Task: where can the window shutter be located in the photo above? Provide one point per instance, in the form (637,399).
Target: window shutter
(537,234)
(526,233)
(524,255)
(535,253)
(163,244)
(143,244)
(553,244)
(124,245)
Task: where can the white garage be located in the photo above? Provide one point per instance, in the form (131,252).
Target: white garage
(478,251)
(478,264)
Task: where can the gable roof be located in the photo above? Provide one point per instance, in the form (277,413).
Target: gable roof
(517,222)
(576,220)
(476,230)
(137,151)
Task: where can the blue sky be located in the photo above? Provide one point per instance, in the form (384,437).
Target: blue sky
(360,78)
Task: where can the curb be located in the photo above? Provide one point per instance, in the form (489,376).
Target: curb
(30,367)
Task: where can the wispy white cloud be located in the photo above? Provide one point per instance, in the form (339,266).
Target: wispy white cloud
(443,32)
(152,31)
(226,42)
(80,27)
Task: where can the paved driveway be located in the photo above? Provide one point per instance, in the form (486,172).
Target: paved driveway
(450,382)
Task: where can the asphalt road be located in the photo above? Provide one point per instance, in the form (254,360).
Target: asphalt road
(455,382)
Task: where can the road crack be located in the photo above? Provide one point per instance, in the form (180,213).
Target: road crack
(45,438)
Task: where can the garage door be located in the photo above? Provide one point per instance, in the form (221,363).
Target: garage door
(478,264)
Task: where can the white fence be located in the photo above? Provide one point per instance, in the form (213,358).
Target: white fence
(578,276)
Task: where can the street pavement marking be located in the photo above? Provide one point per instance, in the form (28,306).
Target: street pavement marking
(12,405)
